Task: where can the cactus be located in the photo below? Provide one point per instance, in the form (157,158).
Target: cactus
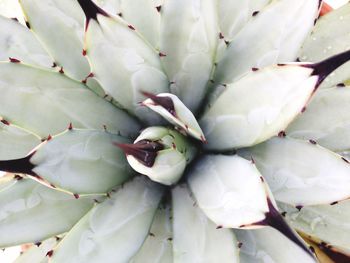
(175,131)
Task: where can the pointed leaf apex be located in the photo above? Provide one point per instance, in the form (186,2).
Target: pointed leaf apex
(324,68)
(91,11)
(22,165)
(276,220)
(166,102)
(144,151)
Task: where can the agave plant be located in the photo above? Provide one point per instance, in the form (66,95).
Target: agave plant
(175,131)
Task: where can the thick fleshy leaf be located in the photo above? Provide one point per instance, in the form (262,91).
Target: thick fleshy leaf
(160,153)
(326,120)
(233,16)
(232,193)
(246,113)
(146,20)
(295,168)
(37,253)
(11,9)
(229,190)
(15,142)
(247,110)
(45,102)
(158,247)
(111,6)
(66,19)
(331,35)
(196,238)
(326,223)
(189,34)
(114,230)
(122,61)
(171,108)
(31,212)
(77,161)
(268,245)
(17,42)
(280,29)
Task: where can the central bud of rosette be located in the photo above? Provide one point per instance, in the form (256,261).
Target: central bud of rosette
(163,153)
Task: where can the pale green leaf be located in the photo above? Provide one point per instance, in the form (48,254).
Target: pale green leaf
(233,16)
(31,212)
(16,142)
(229,190)
(114,230)
(327,223)
(82,161)
(300,172)
(326,119)
(330,36)
(267,245)
(189,34)
(158,247)
(37,253)
(279,29)
(196,238)
(59,24)
(45,102)
(257,106)
(16,41)
(124,64)
(179,115)
(11,9)
(146,20)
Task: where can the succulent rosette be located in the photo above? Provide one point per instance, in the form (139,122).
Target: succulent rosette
(175,131)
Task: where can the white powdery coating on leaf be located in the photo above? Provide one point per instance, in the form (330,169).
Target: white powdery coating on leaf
(295,168)
(229,190)
(118,226)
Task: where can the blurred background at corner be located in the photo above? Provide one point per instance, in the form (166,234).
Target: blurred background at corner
(11,8)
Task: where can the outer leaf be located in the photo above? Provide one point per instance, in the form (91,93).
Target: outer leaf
(232,193)
(146,19)
(66,19)
(122,61)
(114,230)
(157,248)
(295,168)
(331,35)
(327,223)
(287,22)
(189,34)
(16,41)
(46,102)
(233,16)
(11,9)
(326,120)
(82,161)
(111,6)
(245,113)
(229,190)
(196,238)
(30,212)
(268,245)
(37,254)
(15,142)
